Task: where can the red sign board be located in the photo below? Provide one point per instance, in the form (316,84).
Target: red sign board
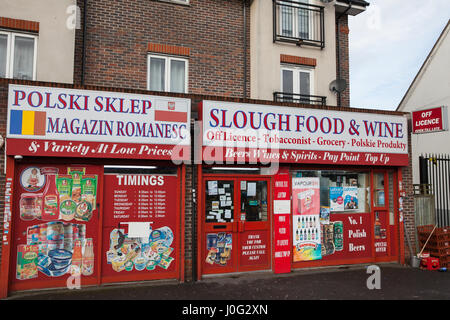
(430,120)
(254,250)
(253,155)
(282,227)
(90,149)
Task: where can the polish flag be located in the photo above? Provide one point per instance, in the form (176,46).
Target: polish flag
(171,111)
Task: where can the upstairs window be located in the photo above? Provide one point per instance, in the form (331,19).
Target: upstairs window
(167,74)
(296,80)
(299,22)
(17,55)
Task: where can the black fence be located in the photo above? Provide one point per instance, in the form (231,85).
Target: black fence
(299,98)
(299,23)
(435,171)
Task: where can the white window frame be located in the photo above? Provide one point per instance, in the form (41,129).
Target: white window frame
(168,60)
(10,47)
(295,22)
(296,78)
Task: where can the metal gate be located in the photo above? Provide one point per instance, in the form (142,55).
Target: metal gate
(435,171)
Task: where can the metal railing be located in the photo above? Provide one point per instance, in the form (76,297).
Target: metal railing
(299,23)
(299,98)
(435,171)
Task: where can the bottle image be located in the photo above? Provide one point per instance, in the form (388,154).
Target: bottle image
(303,222)
(50,199)
(338,235)
(87,265)
(301,235)
(309,235)
(377,231)
(313,236)
(75,269)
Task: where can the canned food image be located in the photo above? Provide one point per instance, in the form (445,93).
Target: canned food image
(338,230)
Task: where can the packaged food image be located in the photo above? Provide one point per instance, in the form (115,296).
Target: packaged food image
(33,234)
(67,209)
(76,174)
(55,235)
(89,190)
(50,199)
(165,262)
(64,185)
(27,262)
(83,211)
(30,206)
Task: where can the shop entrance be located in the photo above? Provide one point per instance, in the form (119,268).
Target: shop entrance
(236,224)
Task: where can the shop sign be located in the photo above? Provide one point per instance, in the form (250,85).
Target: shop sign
(430,120)
(282,216)
(47,121)
(234,132)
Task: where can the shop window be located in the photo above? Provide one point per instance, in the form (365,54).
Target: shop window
(254,200)
(379,190)
(17,56)
(167,74)
(342,191)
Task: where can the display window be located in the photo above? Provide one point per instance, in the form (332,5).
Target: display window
(342,216)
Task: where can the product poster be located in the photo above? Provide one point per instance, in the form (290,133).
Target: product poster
(219,246)
(343,199)
(336,199)
(139,226)
(140,254)
(55,234)
(306,219)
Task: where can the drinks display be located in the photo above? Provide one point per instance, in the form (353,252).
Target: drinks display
(338,234)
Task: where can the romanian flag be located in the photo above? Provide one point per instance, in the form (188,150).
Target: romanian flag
(29,123)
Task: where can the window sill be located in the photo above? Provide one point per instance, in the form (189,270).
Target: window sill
(181,3)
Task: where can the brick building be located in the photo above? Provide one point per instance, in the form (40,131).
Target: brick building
(224,51)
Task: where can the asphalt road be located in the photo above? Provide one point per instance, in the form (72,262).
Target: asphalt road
(349,283)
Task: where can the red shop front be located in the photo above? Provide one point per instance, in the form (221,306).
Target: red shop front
(87,201)
(284,188)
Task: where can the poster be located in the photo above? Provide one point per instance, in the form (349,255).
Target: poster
(56,206)
(139,224)
(306,219)
(218,246)
(140,254)
(343,199)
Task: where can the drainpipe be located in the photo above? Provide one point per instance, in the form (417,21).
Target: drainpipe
(244,6)
(83,59)
(338,48)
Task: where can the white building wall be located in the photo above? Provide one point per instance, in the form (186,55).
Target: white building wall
(265,54)
(56,42)
(431,89)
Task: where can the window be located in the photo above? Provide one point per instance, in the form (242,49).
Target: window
(295,20)
(299,22)
(341,191)
(167,74)
(297,81)
(177,1)
(17,55)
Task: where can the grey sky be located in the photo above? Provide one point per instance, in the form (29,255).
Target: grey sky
(388,44)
